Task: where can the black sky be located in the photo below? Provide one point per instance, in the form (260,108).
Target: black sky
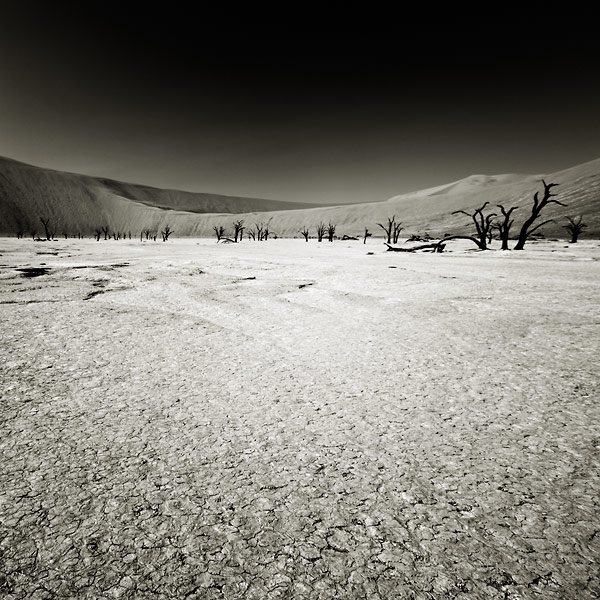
(335,104)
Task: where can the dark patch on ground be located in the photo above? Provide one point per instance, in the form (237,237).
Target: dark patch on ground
(33,271)
(111,267)
(93,293)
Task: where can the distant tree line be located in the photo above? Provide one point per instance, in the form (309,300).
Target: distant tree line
(101,232)
(485,225)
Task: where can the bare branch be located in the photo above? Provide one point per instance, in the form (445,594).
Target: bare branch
(540,225)
(483,225)
(556,202)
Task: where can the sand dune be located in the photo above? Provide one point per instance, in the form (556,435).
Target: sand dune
(80,203)
(77,203)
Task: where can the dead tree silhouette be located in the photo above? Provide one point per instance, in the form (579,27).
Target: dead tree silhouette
(321,228)
(330,231)
(392,230)
(305,234)
(238,230)
(503,227)
(266,233)
(259,227)
(575,228)
(483,226)
(46,224)
(538,205)
(219,232)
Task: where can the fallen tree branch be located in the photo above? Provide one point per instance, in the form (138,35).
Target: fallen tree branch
(437,247)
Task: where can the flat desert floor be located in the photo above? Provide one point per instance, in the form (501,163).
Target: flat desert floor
(298,420)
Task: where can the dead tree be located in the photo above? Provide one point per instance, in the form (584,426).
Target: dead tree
(252,234)
(166,232)
(389,229)
(266,233)
(575,228)
(483,226)
(105,231)
(536,209)
(321,228)
(305,234)
(503,227)
(238,230)
(397,229)
(219,232)
(367,234)
(330,231)
(97,234)
(392,230)
(46,224)
(259,227)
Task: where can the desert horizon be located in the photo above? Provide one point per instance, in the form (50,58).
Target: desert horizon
(81,205)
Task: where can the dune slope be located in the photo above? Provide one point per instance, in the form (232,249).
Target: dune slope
(80,204)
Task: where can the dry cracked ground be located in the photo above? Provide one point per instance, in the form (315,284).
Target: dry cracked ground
(298,420)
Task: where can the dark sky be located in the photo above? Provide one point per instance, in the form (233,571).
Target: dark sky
(333,105)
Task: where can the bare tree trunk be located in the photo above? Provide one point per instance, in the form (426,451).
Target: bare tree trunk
(536,209)
(330,231)
(436,247)
(238,230)
(460,237)
(320,232)
(397,229)
(389,228)
(45,223)
(219,232)
(504,227)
